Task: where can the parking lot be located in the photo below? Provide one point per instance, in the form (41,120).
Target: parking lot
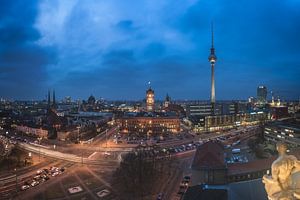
(80,182)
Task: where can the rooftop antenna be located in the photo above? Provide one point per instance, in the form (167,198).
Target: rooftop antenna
(212,34)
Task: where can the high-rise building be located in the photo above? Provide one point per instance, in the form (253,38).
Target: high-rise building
(150,100)
(212,59)
(262,94)
(49,101)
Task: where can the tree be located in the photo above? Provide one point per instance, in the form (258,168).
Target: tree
(139,172)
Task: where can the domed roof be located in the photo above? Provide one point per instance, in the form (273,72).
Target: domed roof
(91,99)
(168,98)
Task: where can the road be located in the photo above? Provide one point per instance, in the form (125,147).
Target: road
(93,161)
(63,156)
(10,186)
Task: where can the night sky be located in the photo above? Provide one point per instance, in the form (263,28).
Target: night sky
(112,48)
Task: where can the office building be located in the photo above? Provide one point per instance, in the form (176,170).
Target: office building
(262,95)
(287,131)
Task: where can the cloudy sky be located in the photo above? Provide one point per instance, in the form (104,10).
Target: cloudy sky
(112,48)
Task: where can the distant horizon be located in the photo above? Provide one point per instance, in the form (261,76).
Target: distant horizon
(59,99)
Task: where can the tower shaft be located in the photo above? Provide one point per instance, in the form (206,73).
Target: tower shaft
(212,97)
(212,59)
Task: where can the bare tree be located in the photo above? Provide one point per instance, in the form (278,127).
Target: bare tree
(140,172)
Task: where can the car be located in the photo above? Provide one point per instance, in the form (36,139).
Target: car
(38,172)
(184,183)
(55,174)
(160,196)
(25,187)
(53,169)
(106,153)
(187,178)
(103,193)
(45,177)
(37,177)
(45,171)
(34,183)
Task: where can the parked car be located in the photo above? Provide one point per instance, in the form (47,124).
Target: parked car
(25,187)
(160,196)
(55,174)
(34,183)
(187,178)
(103,193)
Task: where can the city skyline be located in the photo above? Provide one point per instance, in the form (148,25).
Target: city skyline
(80,49)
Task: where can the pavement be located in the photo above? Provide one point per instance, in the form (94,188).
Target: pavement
(90,178)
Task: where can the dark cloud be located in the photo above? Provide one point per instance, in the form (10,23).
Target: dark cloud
(22,61)
(126,25)
(114,52)
(154,50)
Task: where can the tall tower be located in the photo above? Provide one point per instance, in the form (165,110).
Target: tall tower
(150,100)
(49,101)
(212,59)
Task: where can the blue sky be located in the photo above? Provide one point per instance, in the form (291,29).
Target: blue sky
(112,48)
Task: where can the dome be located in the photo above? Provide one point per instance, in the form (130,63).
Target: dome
(91,100)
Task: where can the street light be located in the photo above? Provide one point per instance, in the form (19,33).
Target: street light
(106,138)
(81,152)
(16,172)
(39,139)
(78,128)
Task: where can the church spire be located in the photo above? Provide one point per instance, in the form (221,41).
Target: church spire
(53,96)
(49,101)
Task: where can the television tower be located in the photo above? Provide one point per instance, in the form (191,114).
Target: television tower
(212,59)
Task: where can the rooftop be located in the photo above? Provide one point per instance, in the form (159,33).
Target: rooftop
(197,192)
(209,155)
(149,114)
(288,123)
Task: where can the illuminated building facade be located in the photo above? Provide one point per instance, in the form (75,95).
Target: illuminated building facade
(150,122)
(278,112)
(203,109)
(145,124)
(150,104)
(221,122)
(287,131)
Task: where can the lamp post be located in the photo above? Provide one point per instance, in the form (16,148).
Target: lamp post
(106,138)
(78,128)
(81,147)
(39,139)
(16,172)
